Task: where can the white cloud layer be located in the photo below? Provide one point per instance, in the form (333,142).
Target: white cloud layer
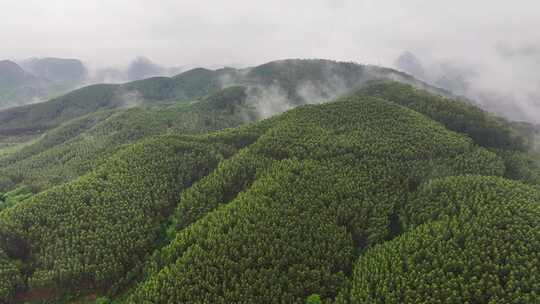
(500,39)
(248,31)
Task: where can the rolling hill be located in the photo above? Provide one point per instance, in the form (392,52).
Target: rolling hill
(280,85)
(469,239)
(80,145)
(38,79)
(388,194)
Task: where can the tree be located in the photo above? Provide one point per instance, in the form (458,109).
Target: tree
(313,299)
(103,300)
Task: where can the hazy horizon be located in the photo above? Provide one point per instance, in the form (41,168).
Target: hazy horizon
(176,33)
(493,46)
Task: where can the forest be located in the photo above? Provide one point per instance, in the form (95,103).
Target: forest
(386,192)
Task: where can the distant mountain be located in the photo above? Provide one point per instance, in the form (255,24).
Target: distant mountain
(276,86)
(142,68)
(13,76)
(17,86)
(56,70)
(33,80)
(138,69)
(409,63)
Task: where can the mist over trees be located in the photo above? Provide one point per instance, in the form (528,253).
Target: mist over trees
(308,151)
(491,86)
(36,80)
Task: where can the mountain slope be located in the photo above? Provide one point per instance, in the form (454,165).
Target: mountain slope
(478,244)
(371,167)
(82,144)
(75,147)
(485,129)
(99,203)
(12,75)
(291,82)
(515,143)
(37,118)
(150,208)
(34,80)
(17,85)
(288,235)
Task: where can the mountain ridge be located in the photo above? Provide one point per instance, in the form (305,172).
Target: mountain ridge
(160,200)
(314,81)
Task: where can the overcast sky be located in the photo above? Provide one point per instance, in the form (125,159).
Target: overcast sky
(498,40)
(180,32)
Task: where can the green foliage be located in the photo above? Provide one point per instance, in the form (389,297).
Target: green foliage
(285,218)
(140,200)
(43,116)
(299,80)
(57,136)
(40,117)
(313,299)
(485,129)
(452,196)
(481,248)
(522,166)
(10,277)
(231,177)
(511,141)
(103,300)
(97,228)
(14,196)
(303,80)
(77,147)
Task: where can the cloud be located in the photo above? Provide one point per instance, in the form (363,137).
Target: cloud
(495,39)
(505,83)
(249,32)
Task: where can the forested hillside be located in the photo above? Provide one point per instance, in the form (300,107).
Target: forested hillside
(469,239)
(82,144)
(287,234)
(62,139)
(287,81)
(389,194)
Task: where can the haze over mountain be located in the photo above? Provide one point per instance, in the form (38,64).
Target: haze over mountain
(56,70)
(12,75)
(275,87)
(137,69)
(18,86)
(240,166)
(35,80)
(495,40)
(147,191)
(501,91)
